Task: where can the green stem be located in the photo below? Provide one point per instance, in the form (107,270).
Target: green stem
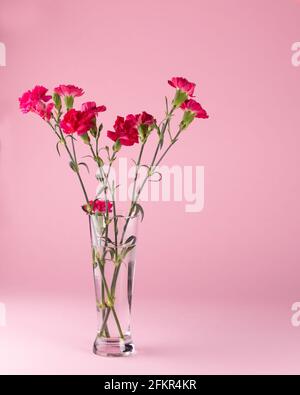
(104,323)
(111,298)
(105,178)
(73,159)
(138,165)
(158,147)
(102,285)
(169,147)
(135,199)
(115,225)
(82,186)
(106,331)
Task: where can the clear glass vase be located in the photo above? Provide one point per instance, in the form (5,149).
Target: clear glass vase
(113,250)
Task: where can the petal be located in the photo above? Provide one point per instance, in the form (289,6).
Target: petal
(112,135)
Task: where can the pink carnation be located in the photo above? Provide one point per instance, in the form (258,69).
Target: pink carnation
(44,110)
(79,122)
(194,107)
(68,90)
(183,84)
(145,119)
(98,206)
(125,130)
(35,101)
(91,106)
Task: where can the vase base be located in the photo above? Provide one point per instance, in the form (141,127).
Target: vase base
(113,347)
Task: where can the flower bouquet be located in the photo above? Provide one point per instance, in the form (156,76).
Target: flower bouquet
(113,236)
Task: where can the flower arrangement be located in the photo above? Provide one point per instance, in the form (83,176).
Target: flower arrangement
(113,236)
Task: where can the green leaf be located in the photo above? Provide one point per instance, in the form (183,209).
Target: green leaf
(57,149)
(112,253)
(131,239)
(130,248)
(160,177)
(109,240)
(69,136)
(85,165)
(125,251)
(139,209)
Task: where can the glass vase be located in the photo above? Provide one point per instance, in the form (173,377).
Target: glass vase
(114,255)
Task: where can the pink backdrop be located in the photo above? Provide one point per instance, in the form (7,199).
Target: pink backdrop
(243,248)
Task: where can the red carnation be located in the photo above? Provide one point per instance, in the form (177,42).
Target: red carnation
(35,101)
(183,84)
(68,90)
(145,119)
(79,122)
(92,106)
(125,130)
(194,107)
(98,206)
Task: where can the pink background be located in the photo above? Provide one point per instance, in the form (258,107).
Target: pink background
(232,271)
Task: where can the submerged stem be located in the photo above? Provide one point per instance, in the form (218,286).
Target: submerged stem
(111,299)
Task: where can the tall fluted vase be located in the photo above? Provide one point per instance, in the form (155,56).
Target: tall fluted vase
(114,243)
